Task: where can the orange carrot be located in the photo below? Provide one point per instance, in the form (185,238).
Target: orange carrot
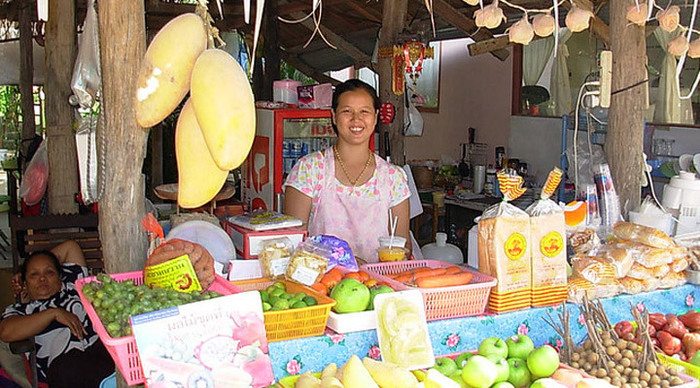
(453,270)
(444,280)
(427,274)
(421,269)
(404,278)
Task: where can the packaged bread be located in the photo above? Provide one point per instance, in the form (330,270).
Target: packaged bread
(680,264)
(620,255)
(642,234)
(547,233)
(583,241)
(580,288)
(308,263)
(635,286)
(654,257)
(643,273)
(274,257)
(504,240)
(593,269)
(673,279)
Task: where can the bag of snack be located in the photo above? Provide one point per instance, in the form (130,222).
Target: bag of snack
(274,257)
(308,263)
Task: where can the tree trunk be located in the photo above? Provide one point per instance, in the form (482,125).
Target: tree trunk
(63,158)
(624,142)
(271,50)
(122,45)
(26,76)
(393,18)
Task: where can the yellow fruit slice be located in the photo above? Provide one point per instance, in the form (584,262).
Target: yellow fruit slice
(575,213)
(225,108)
(164,76)
(199,178)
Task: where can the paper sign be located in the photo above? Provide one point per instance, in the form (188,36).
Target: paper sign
(177,274)
(402,330)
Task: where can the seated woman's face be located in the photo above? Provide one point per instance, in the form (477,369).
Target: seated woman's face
(43,279)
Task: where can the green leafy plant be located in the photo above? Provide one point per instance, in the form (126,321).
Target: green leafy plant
(10,117)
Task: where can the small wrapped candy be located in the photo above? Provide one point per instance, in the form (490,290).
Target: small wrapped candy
(543,25)
(521,32)
(678,46)
(669,18)
(490,16)
(637,14)
(694,49)
(578,19)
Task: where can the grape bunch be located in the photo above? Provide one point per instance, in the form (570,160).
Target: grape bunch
(116,301)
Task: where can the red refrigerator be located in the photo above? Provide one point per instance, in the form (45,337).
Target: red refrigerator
(282,137)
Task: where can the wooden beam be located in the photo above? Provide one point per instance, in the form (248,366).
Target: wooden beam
(597,25)
(366,10)
(488,45)
(306,69)
(61,50)
(453,16)
(360,57)
(271,50)
(26,76)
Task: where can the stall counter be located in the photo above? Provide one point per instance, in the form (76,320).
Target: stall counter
(461,334)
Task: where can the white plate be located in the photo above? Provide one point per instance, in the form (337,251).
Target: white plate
(685,161)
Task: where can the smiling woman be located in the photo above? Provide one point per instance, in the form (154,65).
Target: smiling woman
(346,190)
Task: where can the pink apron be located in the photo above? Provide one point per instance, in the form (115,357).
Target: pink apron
(345,214)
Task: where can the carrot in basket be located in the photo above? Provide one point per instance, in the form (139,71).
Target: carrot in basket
(427,274)
(420,269)
(404,278)
(445,280)
(453,270)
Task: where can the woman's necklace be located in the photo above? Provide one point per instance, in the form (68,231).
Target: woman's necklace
(353,182)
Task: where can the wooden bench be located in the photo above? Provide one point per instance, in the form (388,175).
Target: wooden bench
(36,233)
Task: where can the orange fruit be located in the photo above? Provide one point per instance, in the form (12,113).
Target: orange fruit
(365,276)
(354,275)
(370,282)
(575,213)
(321,288)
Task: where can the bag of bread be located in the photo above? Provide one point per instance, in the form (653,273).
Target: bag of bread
(680,264)
(583,241)
(673,279)
(593,269)
(547,233)
(621,255)
(635,286)
(642,234)
(580,288)
(641,272)
(504,242)
(654,257)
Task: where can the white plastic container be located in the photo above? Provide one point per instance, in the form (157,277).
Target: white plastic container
(351,322)
(441,250)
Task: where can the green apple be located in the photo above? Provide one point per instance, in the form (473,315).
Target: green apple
(518,375)
(503,384)
(543,361)
(457,378)
(695,360)
(350,296)
(493,345)
(446,366)
(519,346)
(546,383)
(376,290)
(502,368)
(479,372)
(462,359)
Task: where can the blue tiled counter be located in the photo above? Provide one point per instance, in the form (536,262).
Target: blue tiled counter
(461,334)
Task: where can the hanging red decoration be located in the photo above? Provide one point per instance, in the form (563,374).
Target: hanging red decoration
(386,113)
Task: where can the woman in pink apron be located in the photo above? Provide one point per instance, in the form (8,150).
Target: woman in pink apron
(347,190)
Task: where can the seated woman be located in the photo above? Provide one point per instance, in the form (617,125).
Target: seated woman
(69,352)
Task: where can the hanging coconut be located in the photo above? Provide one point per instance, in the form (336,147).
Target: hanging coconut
(637,14)
(471,2)
(490,16)
(694,49)
(543,25)
(578,19)
(669,18)
(521,32)
(678,46)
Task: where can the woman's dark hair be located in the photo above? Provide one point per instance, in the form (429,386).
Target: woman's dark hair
(49,254)
(350,86)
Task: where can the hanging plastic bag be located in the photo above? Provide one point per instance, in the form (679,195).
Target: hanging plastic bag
(87,78)
(87,158)
(412,119)
(36,177)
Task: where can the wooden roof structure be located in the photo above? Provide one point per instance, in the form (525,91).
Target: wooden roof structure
(351,25)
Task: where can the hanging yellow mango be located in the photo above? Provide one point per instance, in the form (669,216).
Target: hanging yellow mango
(669,18)
(225,108)
(164,76)
(543,24)
(578,19)
(678,46)
(637,14)
(471,2)
(521,32)
(199,178)
(490,16)
(694,49)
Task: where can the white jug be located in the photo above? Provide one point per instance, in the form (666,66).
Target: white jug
(441,250)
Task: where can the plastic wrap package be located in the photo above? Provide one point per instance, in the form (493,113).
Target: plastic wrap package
(308,263)
(680,264)
(548,256)
(654,257)
(671,280)
(641,272)
(643,235)
(85,142)
(504,247)
(585,162)
(635,286)
(274,257)
(593,269)
(583,241)
(87,79)
(608,200)
(580,288)
(341,253)
(621,255)
(36,177)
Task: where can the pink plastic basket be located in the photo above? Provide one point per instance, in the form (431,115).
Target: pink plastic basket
(123,350)
(443,302)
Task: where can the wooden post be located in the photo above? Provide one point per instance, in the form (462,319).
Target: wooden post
(122,45)
(271,50)
(61,50)
(393,19)
(624,142)
(26,75)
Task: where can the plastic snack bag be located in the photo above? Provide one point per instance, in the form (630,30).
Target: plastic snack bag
(36,177)
(309,263)
(274,257)
(341,253)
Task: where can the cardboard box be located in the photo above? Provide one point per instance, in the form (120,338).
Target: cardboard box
(248,242)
